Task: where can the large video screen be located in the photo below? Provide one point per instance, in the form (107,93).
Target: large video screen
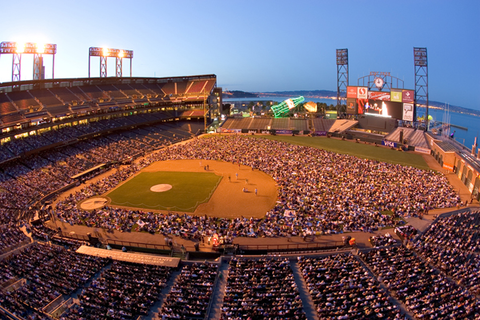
(397,103)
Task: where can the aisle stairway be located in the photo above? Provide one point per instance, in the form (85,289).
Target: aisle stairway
(219,292)
(308,305)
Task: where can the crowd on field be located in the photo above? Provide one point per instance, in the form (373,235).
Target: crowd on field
(320,192)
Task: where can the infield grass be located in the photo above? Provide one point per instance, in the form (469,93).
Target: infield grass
(189,189)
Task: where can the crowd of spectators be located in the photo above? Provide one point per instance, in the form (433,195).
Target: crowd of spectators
(50,271)
(425,292)
(32,177)
(406,232)
(382,240)
(67,132)
(261,289)
(124,291)
(41,232)
(11,237)
(190,295)
(341,288)
(326,192)
(452,245)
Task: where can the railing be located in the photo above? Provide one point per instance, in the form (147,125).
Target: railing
(54,304)
(62,308)
(8,314)
(119,242)
(138,244)
(75,236)
(291,247)
(15,285)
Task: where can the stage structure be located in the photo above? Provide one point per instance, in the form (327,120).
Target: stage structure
(342,75)
(105,53)
(421,79)
(17,49)
(281,110)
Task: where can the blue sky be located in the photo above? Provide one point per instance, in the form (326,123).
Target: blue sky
(258,45)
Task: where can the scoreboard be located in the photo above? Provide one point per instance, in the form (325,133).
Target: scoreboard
(396,103)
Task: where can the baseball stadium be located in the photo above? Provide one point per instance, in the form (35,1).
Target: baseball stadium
(143,198)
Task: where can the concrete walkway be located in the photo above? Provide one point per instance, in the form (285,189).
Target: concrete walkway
(157,307)
(307,302)
(215,311)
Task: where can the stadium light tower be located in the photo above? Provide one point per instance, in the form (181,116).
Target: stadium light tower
(342,74)
(421,78)
(105,53)
(17,49)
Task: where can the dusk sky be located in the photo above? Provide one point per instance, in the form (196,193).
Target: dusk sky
(257,45)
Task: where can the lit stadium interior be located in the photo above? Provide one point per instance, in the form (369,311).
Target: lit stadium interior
(286,230)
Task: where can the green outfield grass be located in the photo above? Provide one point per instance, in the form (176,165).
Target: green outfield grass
(189,189)
(361,150)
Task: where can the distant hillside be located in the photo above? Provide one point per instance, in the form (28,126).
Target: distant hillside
(238,94)
(319,94)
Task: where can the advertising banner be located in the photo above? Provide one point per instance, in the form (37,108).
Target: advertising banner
(351,92)
(283,131)
(362,92)
(351,106)
(408,96)
(422,150)
(407,112)
(389,143)
(396,96)
(320,133)
(223,130)
(379,95)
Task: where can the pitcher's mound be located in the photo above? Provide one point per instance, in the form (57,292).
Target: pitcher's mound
(161,187)
(93,203)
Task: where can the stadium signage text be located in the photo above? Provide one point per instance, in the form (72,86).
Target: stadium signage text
(389,143)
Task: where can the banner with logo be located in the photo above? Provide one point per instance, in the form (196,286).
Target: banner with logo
(389,143)
(379,95)
(283,131)
(422,150)
(223,130)
(351,106)
(362,92)
(396,96)
(408,96)
(407,112)
(351,92)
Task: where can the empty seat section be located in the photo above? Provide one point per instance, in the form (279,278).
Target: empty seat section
(113,92)
(58,110)
(197,86)
(12,118)
(140,87)
(5,105)
(157,89)
(299,124)
(261,123)
(94,92)
(169,88)
(47,98)
(23,99)
(281,124)
(65,94)
(209,85)
(127,89)
(80,93)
